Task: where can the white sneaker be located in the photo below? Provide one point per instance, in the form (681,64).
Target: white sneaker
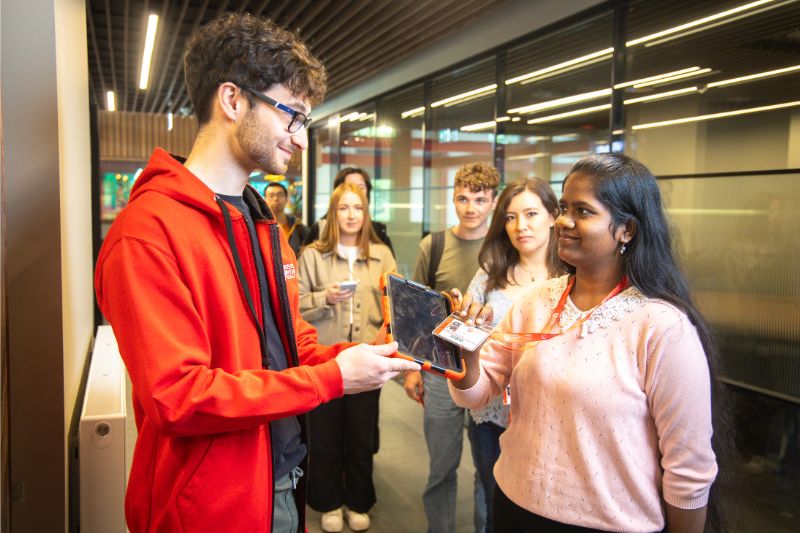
(332,521)
(357,521)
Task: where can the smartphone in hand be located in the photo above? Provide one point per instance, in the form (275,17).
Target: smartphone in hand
(348,286)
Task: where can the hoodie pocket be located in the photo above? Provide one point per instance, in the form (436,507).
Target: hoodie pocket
(228,490)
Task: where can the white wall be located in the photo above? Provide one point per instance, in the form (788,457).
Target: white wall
(77,296)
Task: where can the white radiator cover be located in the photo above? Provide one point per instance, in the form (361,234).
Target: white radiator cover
(101,434)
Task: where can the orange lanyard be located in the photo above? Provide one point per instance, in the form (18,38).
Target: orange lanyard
(555,316)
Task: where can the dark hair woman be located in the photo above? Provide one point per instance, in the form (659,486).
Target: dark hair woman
(611,395)
(518,252)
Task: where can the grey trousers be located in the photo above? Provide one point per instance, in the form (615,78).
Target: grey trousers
(444,435)
(285,518)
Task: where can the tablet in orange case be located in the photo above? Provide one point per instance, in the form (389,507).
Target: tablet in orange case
(411,311)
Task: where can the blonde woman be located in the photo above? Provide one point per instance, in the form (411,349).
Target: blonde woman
(340,296)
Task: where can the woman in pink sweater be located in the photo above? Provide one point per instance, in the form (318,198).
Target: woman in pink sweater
(610,393)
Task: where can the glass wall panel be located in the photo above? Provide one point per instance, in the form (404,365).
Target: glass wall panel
(719,94)
(357,138)
(397,198)
(558,100)
(738,240)
(462,105)
(326,154)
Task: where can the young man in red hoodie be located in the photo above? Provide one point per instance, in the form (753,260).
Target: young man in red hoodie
(201,291)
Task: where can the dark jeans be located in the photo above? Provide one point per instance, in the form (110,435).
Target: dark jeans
(484,439)
(508,517)
(341,444)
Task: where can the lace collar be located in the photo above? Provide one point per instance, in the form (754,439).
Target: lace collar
(613,310)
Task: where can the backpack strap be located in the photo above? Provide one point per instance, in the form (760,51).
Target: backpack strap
(437,248)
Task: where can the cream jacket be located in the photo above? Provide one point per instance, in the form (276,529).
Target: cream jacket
(332,322)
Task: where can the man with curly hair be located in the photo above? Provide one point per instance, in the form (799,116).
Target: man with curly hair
(446,260)
(200,288)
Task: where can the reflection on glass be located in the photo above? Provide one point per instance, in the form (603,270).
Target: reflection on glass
(325,160)
(398,185)
(736,105)
(461,99)
(415,312)
(558,100)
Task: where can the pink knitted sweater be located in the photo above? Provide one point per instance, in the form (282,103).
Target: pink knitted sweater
(609,420)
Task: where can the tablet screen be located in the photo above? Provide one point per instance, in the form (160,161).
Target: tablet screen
(415,312)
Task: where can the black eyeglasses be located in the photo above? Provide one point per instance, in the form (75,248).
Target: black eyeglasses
(299,120)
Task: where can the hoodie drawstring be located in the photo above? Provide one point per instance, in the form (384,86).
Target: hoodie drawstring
(237,260)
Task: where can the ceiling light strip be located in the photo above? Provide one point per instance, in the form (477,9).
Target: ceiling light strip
(576,112)
(541,106)
(523,157)
(478,127)
(659,96)
(468,99)
(698,22)
(760,75)
(687,33)
(111,101)
(147,55)
(712,116)
(488,89)
(560,66)
(673,78)
(413,112)
(564,70)
(656,77)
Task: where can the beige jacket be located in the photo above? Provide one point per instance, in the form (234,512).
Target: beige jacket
(317,270)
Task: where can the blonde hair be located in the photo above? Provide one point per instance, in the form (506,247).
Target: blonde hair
(329,238)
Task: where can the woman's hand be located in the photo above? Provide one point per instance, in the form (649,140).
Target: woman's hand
(334,294)
(473,313)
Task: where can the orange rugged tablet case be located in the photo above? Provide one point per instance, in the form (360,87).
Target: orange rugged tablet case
(411,311)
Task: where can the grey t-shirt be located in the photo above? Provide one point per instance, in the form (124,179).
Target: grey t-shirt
(458,264)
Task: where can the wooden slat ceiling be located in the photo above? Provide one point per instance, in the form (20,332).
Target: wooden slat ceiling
(355,39)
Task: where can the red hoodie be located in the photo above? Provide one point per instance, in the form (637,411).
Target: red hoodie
(167,283)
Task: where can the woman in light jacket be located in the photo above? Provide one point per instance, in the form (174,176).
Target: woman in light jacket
(342,432)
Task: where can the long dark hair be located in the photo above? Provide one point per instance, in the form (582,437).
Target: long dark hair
(630,193)
(498,255)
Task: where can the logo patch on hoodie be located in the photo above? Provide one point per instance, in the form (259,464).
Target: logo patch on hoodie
(289,271)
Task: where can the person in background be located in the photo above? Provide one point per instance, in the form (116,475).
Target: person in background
(295,231)
(474,197)
(518,252)
(359,178)
(201,291)
(611,409)
(343,430)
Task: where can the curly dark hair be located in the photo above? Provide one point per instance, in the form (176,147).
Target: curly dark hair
(252,52)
